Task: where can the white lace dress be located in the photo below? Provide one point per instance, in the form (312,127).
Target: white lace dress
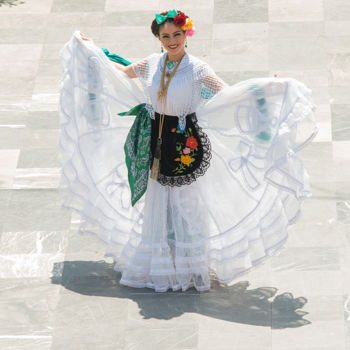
(218,226)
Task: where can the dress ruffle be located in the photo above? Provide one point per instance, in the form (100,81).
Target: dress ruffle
(219,226)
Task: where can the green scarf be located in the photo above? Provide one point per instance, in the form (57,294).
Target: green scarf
(138,143)
(116,58)
(137,151)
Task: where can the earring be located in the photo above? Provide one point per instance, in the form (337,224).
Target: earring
(186,43)
(161,48)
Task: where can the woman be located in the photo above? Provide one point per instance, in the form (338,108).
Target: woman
(213,170)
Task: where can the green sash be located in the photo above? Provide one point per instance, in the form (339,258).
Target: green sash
(137,147)
(137,151)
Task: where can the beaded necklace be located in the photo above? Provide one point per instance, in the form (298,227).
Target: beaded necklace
(162,95)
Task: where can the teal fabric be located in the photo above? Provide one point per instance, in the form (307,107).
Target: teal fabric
(160,18)
(116,58)
(137,151)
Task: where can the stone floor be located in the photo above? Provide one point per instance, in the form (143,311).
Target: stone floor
(57,291)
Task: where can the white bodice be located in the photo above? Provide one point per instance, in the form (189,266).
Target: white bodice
(193,82)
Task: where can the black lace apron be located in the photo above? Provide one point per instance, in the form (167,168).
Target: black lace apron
(184,155)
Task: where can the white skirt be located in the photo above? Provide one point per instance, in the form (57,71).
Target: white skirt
(219,226)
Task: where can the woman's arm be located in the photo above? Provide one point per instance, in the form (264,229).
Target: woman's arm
(126,69)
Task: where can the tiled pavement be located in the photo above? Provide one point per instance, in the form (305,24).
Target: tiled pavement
(57,292)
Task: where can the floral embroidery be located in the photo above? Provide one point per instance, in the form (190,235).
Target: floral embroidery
(187,152)
(186,159)
(192,142)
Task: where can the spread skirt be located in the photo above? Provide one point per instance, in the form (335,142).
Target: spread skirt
(216,227)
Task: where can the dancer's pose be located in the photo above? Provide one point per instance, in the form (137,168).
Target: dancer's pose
(184,177)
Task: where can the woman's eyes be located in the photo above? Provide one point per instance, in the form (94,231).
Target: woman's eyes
(166,36)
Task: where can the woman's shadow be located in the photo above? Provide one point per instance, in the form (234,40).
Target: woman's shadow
(236,303)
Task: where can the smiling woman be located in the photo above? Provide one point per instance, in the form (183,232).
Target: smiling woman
(210,178)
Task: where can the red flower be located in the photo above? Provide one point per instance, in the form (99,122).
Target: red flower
(180,20)
(192,142)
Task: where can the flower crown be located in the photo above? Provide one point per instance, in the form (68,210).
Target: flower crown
(182,21)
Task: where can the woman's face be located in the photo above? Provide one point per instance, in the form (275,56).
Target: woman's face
(172,37)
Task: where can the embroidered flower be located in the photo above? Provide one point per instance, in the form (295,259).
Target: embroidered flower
(192,142)
(187,150)
(186,160)
(173,129)
(180,20)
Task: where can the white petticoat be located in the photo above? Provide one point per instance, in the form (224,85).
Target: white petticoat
(221,225)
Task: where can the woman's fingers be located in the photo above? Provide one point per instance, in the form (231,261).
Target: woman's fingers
(84,37)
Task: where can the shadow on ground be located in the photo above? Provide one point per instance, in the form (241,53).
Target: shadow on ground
(236,303)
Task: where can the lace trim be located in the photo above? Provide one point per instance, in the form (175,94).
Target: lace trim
(200,170)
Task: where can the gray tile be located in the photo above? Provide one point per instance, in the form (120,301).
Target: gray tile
(339,95)
(296,10)
(38,158)
(13,118)
(30,178)
(61,36)
(338,30)
(22,20)
(8,163)
(79,19)
(122,18)
(180,337)
(338,74)
(238,11)
(340,122)
(319,171)
(343,212)
(36,210)
(337,10)
(297,52)
(10,138)
(293,29)
(234,77)
(78,6)
(42,120)
(39,138)
(307,259)
(33,242)
(16,53)
(20,36)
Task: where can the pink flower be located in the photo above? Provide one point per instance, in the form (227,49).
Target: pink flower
(186,150)
(173,129)
(191,31)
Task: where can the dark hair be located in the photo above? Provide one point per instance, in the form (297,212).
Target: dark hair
(155,26)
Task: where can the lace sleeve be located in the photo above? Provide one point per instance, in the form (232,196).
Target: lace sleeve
(211,84)
(142,67)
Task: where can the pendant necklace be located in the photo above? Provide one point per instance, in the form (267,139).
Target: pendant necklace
(162,95)
(170,65)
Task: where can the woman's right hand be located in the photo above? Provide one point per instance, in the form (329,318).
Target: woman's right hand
(85,37)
